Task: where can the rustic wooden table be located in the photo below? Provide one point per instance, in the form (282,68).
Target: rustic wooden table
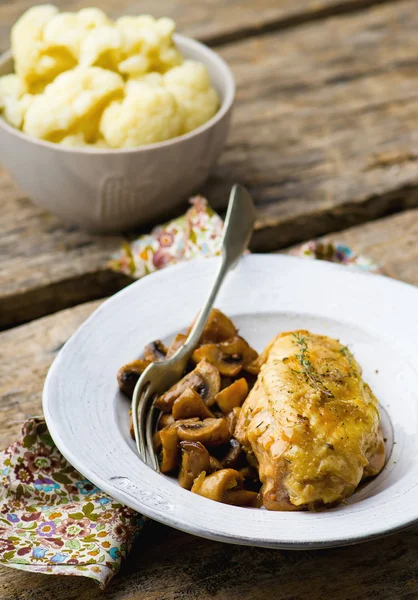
(325,134)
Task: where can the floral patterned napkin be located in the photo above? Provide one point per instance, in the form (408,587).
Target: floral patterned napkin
(52,519)
(196,233)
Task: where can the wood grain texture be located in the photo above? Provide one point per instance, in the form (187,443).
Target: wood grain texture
(168,565)
(26,354)
(47,266)
(325,132)
(392,242)
(214,22)
(324,135)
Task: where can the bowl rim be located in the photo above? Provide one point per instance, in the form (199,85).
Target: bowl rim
(225,107)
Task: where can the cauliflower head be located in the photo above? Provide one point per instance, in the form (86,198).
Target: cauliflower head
(72,103)
(147,114)
(190,85)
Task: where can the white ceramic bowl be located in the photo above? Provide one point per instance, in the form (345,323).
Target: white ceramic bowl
(114,190)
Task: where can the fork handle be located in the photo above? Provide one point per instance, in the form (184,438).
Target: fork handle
(239,223)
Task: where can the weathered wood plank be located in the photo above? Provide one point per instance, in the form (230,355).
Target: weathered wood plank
(325,126)
(26,354)
(46,266)
(392,242)
(214,22)
(166,564)
(324,135)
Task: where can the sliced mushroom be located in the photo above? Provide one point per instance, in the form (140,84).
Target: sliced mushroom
(232,396)
(228,357)
(175,344)
(170,449)
(216,485)
(129,374)
(249,472)
(226,382)
(234,457)
(155,351)
(242,498)
(232,419)
(190,404)
(204,380)
(165,420)
(214,464)
(156,442)
(255,366)
(218,328)
(251,479)
(210,432)
(194,459)
(167,440)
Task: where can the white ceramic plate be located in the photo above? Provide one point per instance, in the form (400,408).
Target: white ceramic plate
(377,317)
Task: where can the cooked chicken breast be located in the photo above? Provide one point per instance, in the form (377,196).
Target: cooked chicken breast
(311,422)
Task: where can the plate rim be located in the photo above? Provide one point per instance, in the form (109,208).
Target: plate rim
(161,516)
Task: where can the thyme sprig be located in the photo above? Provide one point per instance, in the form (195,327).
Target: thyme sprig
(311,375)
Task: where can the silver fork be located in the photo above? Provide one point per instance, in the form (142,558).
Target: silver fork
(158,377)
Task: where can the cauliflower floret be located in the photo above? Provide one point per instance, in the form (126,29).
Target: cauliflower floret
(36,61)
(145,116)
(14,99)
(149,79)
(70,29)
(77,140)
(73,102)
(147,45)
(190,85)
(101,48)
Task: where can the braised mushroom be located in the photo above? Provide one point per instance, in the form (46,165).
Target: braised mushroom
(218,328)
(204,380)
(155,351)
(194,459)
(251,479)
(190,404)
(214,464)
(210,432)
(226,382)
(170,449)
(232,418)
(175,344)
(129,374)
(242,498)
(216,485)
(156,442)
(232,396)
(229,357)
(165,420)
(234,457)
(255,366)
(166,440)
